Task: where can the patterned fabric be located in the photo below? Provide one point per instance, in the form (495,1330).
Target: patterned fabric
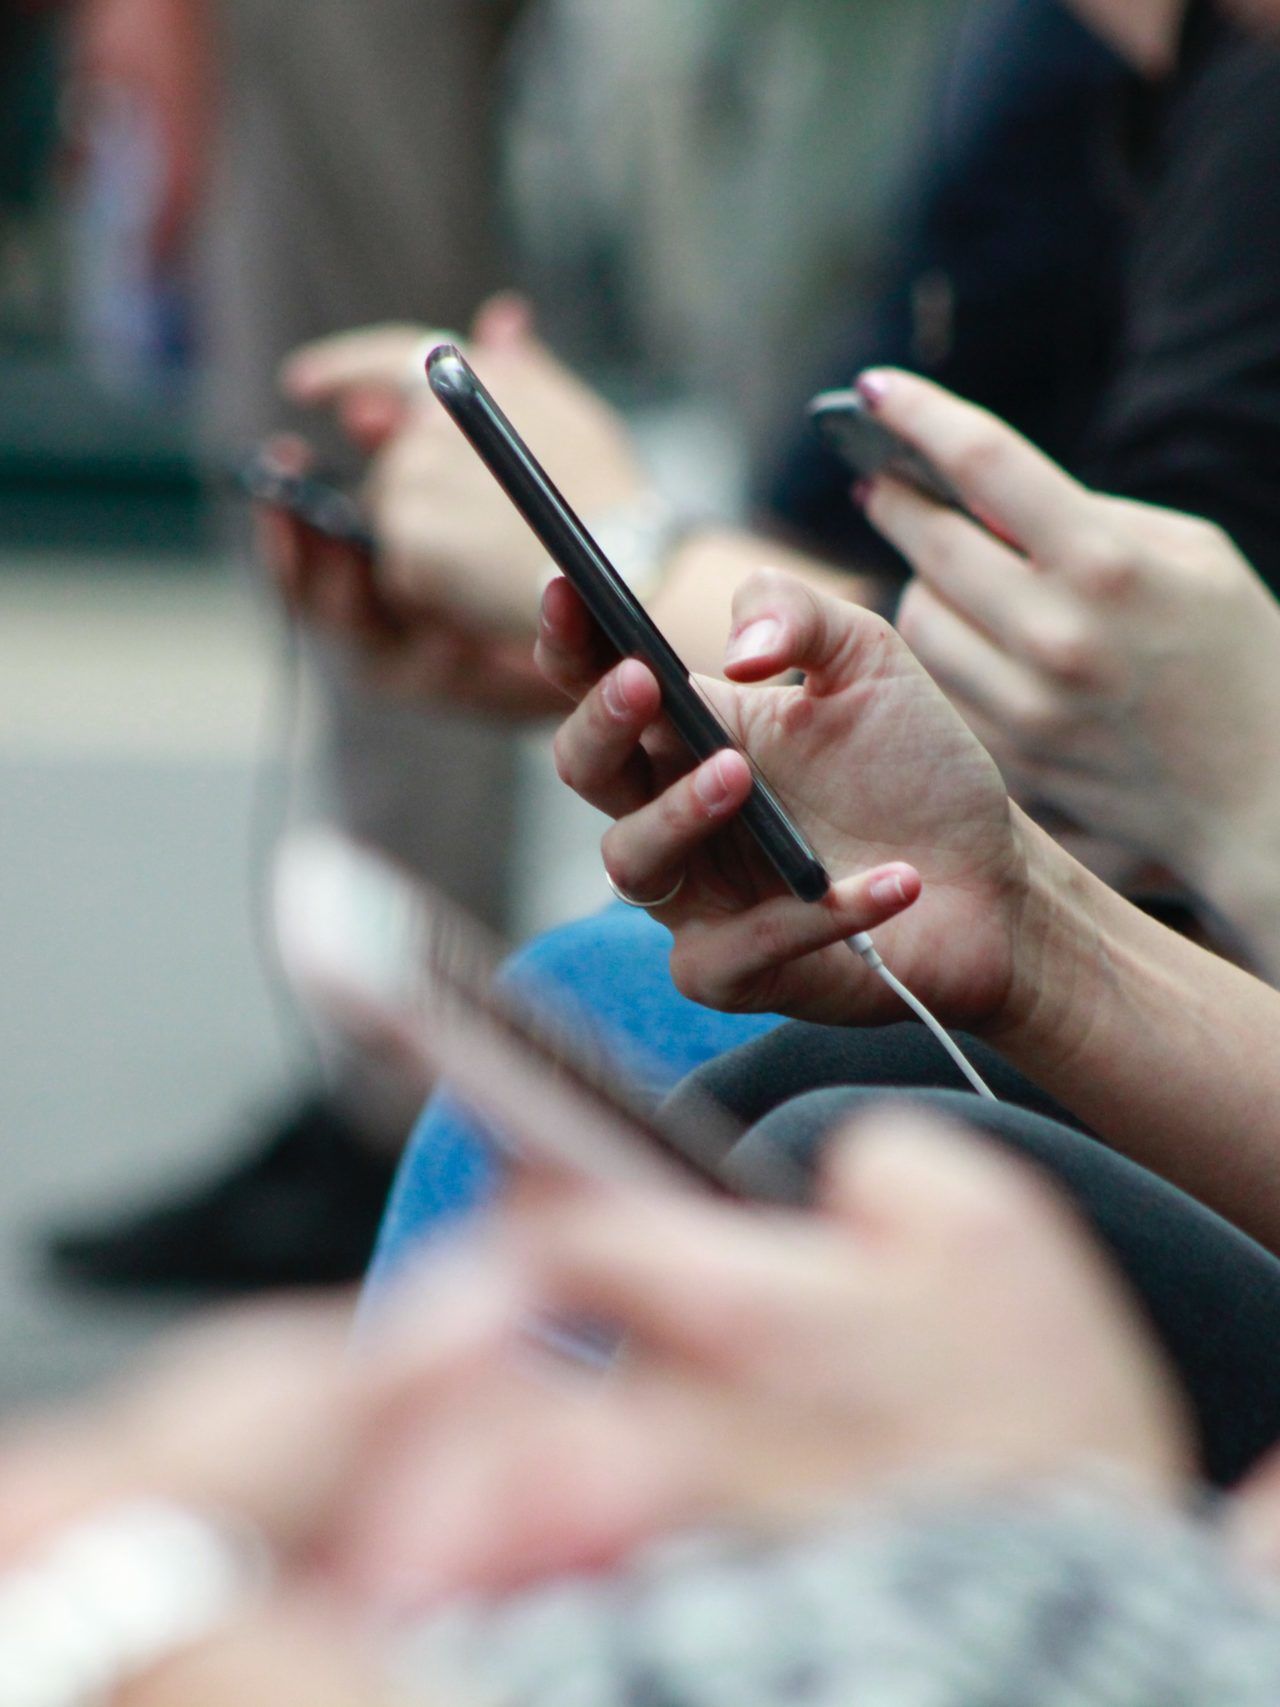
(1076,1594)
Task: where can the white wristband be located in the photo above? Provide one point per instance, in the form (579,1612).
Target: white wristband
(99,1604)
(640,539)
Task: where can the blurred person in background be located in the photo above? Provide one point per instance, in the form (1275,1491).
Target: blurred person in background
(315,221)
(297,169)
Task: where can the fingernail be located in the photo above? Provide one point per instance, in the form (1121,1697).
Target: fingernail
(889,890)
(873,388)
(614,698)
(757,640)
(709,785)
(862,493)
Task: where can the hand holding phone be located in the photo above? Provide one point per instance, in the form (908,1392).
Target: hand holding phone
(871,449)
(309,498)
(621,617)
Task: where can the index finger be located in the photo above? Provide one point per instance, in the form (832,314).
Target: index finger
(372,355)
(1010,486)
(723,1288)
(571,652)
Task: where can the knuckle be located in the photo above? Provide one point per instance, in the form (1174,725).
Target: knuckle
(1212,537)
(913,616)
(1036,721)
(1064,650)
(691,975)
(677,810)
(565,757)
(1105,568)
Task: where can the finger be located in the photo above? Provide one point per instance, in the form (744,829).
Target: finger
(682,1277)
(899,1173)
(570,651)
(290,453)
(1033,713)
(991,586)
(780,623)
(723,963)
(373,355)
(503,322)
(1253,1519)
(1004,480)
(371,415)
(646,852)
(597,748)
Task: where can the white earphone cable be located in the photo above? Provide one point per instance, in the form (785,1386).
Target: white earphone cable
(865,949)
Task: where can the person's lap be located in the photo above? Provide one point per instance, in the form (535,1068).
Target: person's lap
(1211,1293)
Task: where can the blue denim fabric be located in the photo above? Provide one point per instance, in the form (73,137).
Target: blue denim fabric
(614,968)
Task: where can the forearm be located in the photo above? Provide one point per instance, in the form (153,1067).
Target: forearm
(1240,877)
(693,605)
(1168,1052)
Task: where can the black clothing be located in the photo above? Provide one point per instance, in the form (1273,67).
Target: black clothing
(1192,418)
(1106,254)
(1212,1294)
(1009,228)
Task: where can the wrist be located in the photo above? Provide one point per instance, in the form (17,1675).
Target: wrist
(1058,952)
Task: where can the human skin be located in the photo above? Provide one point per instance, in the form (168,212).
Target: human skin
(775,1361)
(450,540)
(1124,671)
(1161,1048)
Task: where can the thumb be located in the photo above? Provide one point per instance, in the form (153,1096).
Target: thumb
(503,322)
(780,624)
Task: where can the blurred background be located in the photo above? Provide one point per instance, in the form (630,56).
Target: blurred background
(693,193)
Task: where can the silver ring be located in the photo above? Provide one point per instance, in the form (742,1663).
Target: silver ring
(645,906)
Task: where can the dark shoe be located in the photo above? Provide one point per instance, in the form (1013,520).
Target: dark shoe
(301,1210)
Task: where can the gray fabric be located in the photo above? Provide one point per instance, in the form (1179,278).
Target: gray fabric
(353,186)
(1071,1594)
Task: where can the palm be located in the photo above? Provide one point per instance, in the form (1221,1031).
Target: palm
(876,770)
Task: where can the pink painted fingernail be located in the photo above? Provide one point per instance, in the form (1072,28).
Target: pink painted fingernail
(873,388)
(862,493)
(757,640)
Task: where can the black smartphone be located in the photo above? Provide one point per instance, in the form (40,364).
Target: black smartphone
(617,612)
(315,501)
(870,448)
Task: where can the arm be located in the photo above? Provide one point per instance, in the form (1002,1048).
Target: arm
(1167,1051)
(453,543)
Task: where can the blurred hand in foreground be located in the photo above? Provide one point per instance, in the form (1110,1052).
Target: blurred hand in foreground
(942,1314)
